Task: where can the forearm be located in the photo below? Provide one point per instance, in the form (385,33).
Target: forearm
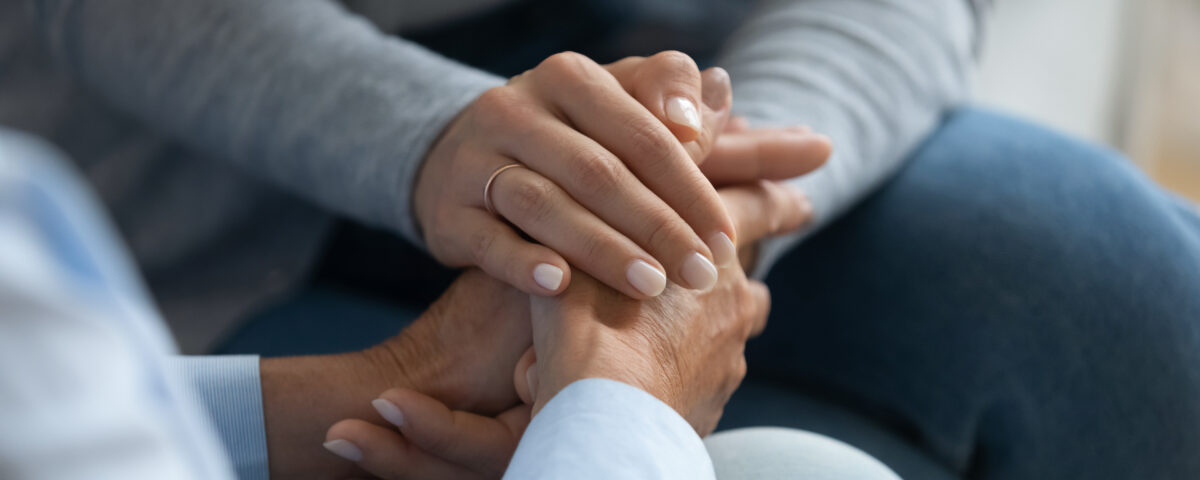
(303,397)
(298,91)
(873,75)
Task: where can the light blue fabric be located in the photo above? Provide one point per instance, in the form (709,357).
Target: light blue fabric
(83,389)
(89,387)
(230,390)
(604,429)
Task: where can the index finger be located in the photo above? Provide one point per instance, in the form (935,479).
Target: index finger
(764,209)
(765,154)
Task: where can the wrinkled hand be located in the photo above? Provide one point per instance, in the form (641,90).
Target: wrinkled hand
(462,349)
(608,185)
(695,342)
(685,348)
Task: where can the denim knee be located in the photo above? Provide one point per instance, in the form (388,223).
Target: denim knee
(1014,299)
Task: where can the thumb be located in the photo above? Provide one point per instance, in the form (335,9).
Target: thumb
(717,95)
(478,442)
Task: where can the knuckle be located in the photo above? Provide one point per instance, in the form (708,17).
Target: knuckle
(675,60)
(595,174)
(514,267)
(739,370)
(649,143)
(482,241)
(593,246)
(668,232)
(567,66)
(499,106)
(532,199)
(747,309)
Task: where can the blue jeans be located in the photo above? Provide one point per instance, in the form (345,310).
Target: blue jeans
(1013,305)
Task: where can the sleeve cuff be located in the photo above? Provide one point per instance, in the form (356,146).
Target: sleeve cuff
(230,390)
(609,430)
(450,106)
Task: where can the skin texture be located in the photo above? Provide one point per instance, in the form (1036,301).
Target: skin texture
(684,347)
(610,178)
(460,356)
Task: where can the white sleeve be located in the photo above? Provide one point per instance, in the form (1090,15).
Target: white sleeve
(83,390)
(604,429)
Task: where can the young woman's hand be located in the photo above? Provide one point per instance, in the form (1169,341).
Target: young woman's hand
(605,182)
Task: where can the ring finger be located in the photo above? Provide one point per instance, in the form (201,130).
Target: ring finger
(601,183)
(545,212)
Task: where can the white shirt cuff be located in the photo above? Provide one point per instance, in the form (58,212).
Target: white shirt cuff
(602,429)
(230,390)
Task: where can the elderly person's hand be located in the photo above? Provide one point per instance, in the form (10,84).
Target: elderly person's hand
(608,182)
(684,347)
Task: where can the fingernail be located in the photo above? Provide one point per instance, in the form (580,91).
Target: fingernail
(389,411)
(344,449)
(548,276)
(682,111)
(802,199)
(805,203)
(645,278)
(723,250)
(698,272)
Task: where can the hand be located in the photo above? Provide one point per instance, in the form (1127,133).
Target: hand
(685,347)
(461,351)
(696,340)
(608,185)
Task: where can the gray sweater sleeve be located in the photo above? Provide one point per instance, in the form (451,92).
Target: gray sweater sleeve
(875,75)
(300,92)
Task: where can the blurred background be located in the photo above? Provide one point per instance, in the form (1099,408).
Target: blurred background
(1125,73)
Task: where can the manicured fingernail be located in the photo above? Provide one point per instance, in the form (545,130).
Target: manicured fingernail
(548,276)
(389,411)
(723,250)
(344,449)
(698,272)
(645,278)
(682,111)
(806,208)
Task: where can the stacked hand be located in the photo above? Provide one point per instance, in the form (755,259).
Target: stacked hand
(613,170)
(684,347)
(609,183)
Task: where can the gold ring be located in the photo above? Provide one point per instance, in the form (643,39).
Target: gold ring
(487,188)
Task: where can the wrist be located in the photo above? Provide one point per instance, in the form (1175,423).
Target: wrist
(416,359)
(608,354)
(303,396)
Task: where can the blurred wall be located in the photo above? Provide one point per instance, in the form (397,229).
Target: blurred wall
(1125,73)
(1057,61)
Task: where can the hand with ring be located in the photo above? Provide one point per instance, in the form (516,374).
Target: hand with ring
(598,167)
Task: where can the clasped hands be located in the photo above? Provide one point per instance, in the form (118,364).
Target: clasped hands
(628,166)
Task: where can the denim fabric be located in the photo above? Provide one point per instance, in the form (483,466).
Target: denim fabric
(1014,305)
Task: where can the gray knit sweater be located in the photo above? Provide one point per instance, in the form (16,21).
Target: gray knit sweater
(219,133)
